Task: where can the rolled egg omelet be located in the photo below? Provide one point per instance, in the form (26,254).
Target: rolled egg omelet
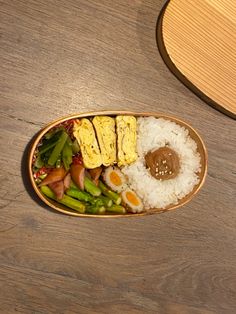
(85,135)
(126,127)
(106,135)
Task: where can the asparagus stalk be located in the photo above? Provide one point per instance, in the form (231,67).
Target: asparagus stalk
(92,209)
(91,187)
(80,195)
(106,200)
(97,201)
(118,209)
(107,192)
(74,192)
(66,200)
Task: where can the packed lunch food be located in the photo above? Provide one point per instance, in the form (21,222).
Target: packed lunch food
(116,164)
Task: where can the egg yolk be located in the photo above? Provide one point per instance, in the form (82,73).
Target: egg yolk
(131,197)
(115,179)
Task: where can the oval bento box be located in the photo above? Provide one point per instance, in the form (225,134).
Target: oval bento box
(63,209)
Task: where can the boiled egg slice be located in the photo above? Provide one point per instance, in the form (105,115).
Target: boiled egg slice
(115,179)
(132,201)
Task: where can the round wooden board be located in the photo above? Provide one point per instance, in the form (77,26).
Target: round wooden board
(197,41)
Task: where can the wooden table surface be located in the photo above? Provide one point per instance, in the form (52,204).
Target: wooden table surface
(69,56)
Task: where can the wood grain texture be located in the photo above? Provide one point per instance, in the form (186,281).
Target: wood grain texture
(200,40)
(62,57)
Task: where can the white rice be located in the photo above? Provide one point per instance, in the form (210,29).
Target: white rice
(153,133)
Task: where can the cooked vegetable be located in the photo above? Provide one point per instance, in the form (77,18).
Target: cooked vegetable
(66,200)
(38,181)
(91,187)
(106,200)
(77,175)
(55,175)
(58,162)
(50,141)
(126,133)
(39,163)
(67,155)
(118,209)
(99,201)
(69,162)
(57,188)
(131,199)
(107,192)
(115,179)
(58,148)
(75,147)
(80,195)
(53,132)
(44,148)
(93,209)
(45,156)
(43,176)
(106,134)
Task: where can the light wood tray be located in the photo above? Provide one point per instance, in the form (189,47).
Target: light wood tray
(197,40)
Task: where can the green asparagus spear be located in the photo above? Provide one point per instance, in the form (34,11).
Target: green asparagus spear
(74,192)
(97,201)
(92,209)
(66,200)
(58,148)
(91,187)
(106,201)
(80,195)
(67,155)
(107,192)
(118,209)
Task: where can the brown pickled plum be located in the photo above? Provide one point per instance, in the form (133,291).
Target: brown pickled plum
(163,163)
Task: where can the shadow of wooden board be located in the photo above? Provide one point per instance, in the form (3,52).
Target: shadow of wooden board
(197,41)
